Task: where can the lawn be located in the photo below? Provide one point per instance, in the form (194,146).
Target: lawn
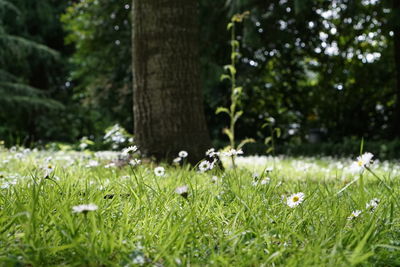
(269,211)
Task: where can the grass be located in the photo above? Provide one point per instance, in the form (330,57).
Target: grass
(140,219)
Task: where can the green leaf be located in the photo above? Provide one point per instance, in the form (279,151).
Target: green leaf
(235,55)
(278,132)
(235,43)
(246,141)
(237,116)
(238,90)
(228,133)
(225,77)
(222,109)
(268,140)
(231,69)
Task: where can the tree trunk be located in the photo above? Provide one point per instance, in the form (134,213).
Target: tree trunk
(396,46)
(167,97)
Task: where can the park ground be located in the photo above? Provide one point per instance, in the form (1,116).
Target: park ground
(105,209)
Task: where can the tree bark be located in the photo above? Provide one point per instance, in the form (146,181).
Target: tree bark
(167,97)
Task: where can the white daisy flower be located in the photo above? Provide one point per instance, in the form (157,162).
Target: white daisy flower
(211,153)
(85,208)
(48,169)
(269,169)
(212,164)
(204,166)
(295,199)
(129,149)
(183,154)
(159,171)
(354,215)
(182,190)
(372,205)
(135,162)
(177,160)
(362,162)
(265,181)
(214,179)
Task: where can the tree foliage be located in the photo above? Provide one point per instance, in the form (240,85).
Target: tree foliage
(309,64)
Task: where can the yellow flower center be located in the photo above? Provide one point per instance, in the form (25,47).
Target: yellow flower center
(296,198)
(360,163)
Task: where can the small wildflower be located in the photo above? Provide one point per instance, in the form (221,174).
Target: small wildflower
(48,169)
(269,169)
(135,162)
(214,179)
(295,199)
(129,149)
(204,166)
(265,181)
(85,208)
(183,154)
(362,162)
(159,171)
(354,215)
(211,153)
(177,160)
(182,190)
(372,205)
(212,164)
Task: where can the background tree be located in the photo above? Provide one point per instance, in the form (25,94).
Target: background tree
(168,102)
(28,71)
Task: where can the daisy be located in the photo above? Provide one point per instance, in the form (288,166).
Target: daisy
(211,153)
(214,179)
(204,166)
(362,162)
(269,169)
(372,205)
(85,208)
(295,199)
(265,181)
(183,154)
(48,169)
(177,160)
(354,215)
(182,190)
(134,162)
(159,171)
(129,149)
